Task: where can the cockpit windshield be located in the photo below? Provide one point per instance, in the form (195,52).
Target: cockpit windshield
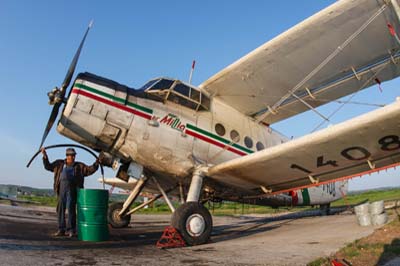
(149,84)
(178,92)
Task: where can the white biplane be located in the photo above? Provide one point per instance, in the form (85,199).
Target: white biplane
(214,142)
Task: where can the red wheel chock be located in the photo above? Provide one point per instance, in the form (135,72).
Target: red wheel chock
(170,239)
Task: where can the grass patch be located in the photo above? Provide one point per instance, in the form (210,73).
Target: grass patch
(41,200)
(390,194)
(319,262)
(376,249)
(233,208)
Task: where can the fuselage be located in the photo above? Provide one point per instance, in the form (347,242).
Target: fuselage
(164,136)
(169,131)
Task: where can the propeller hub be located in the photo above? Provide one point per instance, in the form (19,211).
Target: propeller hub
(55,96)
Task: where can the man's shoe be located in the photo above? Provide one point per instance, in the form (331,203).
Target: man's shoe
(71,234)
(59,233)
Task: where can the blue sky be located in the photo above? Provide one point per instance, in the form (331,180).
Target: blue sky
(132,42)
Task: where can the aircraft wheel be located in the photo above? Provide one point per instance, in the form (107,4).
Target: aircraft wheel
(114,219)
(193,221)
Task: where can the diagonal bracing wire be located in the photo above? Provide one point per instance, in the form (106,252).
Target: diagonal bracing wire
(349,99)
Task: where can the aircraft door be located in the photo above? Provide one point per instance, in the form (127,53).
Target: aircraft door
(184,141)
(201,147)
(143,138)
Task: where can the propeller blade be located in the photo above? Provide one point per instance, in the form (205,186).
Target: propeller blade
(64,86)
(52,118)
(74,62)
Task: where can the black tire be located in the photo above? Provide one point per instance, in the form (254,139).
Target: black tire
(192,212)
(325,209)
(114,219)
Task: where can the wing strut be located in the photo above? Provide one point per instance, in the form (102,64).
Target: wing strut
(266,190)
(309,106)
(309,93)
(313,180)
(323,63)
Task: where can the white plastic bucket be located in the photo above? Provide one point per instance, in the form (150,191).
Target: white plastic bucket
(376,207)
(362,209)
(379,219)
(364,220)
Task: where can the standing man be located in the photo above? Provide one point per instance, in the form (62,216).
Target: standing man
(68,177)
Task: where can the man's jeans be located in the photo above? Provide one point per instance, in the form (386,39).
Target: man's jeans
(66,201)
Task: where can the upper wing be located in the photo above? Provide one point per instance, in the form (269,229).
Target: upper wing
(352,147)
(259,84)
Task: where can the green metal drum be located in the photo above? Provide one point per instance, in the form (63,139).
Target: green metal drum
(92,215)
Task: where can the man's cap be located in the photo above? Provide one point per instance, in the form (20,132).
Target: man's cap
(70,151)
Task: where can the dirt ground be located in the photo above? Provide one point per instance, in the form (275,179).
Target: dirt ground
(285,239)
(380,248)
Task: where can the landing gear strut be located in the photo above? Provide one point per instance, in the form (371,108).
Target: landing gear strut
(192,219)
(325,209)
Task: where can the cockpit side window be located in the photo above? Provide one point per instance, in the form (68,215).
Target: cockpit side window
(182,101)
(182,89)
(180,94)
(195,95)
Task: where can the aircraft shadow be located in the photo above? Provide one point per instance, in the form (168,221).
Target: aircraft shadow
(251,225)
(390,251)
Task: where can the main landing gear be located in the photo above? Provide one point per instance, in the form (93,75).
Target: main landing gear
(191,219)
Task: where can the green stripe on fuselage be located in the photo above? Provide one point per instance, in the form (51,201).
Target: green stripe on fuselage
(306,196)
(112,97)
(215,137)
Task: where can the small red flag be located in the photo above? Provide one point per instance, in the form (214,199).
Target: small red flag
(391,29)
(379,84)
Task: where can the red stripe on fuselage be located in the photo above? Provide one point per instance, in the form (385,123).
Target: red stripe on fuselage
(108,102)
(194,134)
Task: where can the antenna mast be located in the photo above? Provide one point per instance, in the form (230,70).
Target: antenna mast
(191,71)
